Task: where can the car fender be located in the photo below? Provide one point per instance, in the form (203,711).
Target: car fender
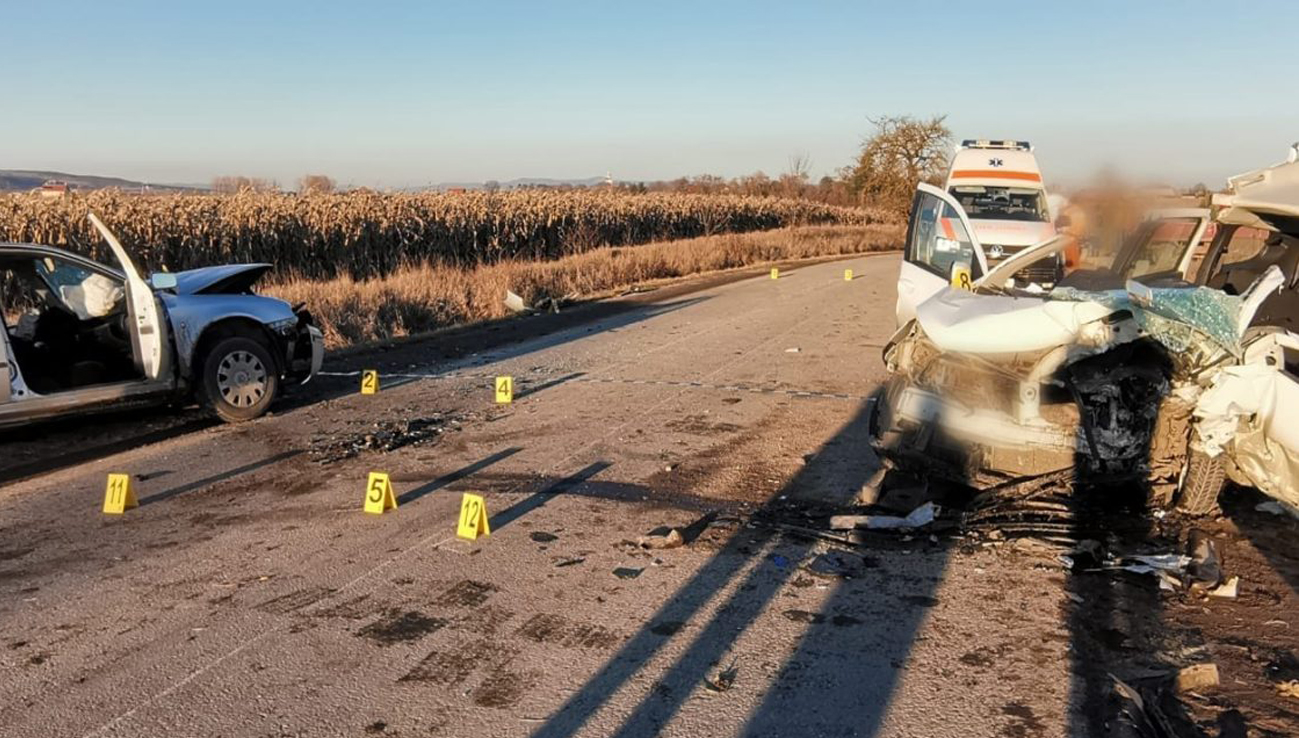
(192,316)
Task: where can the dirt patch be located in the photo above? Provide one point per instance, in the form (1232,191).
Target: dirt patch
(466,593)
(549,628)
(702,425)
(401,627)
(503,688)
(287,603)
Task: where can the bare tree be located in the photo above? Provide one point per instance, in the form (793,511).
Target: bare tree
(902,152)
(232,184)
(794,180)
(315,183)
(492,186)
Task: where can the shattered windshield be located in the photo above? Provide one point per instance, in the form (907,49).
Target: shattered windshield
(1174,316)
(1001,203)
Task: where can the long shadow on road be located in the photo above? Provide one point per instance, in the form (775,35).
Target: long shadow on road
(744,580)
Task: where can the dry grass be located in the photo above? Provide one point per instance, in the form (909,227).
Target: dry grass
(367,234)
(423,298)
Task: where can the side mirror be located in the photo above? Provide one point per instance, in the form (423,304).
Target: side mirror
(162,281)
(959,275)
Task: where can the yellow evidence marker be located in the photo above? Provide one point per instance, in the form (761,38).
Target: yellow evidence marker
(847,275)
(369,381)
(118,495)
(961,277)
(775,273)
(378,494)
(504,390)
(473,518)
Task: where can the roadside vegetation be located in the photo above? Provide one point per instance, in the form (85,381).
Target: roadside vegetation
(362,234)
(374,266)
(426,297)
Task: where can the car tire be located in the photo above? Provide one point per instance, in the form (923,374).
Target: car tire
(1204,480)
(240,379)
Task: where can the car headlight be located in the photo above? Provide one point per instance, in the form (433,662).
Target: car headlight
(285,326)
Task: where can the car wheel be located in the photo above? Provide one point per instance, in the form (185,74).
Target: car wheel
(240,380)
(1205,477)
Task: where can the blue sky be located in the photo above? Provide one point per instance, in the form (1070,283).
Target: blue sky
(400,94)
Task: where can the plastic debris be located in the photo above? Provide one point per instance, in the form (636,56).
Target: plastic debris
(515,304)
(836,564)
(917,518)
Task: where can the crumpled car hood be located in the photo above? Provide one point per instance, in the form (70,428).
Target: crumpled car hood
(957,320)
(226,279)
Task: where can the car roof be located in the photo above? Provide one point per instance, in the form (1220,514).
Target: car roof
(1267,198)
(10,249)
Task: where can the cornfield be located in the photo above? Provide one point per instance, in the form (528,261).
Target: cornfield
(362,234)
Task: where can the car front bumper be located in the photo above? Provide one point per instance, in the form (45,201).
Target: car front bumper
(912,422)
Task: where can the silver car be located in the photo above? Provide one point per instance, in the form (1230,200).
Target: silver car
(80,336)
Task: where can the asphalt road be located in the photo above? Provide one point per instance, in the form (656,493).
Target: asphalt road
(249,595)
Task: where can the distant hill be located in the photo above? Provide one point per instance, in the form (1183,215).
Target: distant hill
(511,184)
(22,180)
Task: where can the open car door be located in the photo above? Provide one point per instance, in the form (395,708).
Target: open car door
(148,328)
(941,250)
(8,368)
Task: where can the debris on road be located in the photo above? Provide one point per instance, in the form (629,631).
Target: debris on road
(1149,711)
(626,572)
(1205,567)
(381,435)
(792,350)
(1276,507)
(837,565)
(869,493)
(661,537)
(1227,590)
(724,680)
(803,616)
(917,518)
(541,536)
(1196,677)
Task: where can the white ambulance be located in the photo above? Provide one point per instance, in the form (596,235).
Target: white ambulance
(1000,189)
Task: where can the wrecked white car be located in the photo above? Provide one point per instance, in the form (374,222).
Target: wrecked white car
(80,336)
(1129,373)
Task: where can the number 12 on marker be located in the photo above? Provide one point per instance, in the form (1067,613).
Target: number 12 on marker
(473,518)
